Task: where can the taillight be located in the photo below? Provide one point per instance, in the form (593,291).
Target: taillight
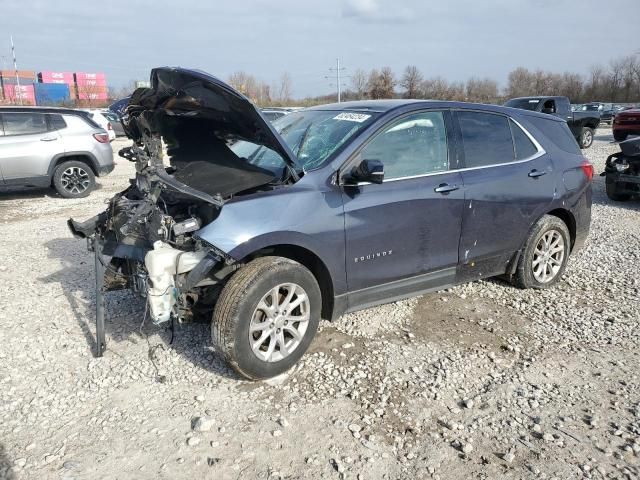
(101,137)
(587,168)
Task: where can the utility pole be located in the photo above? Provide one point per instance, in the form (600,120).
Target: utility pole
(339,77)
(15,67)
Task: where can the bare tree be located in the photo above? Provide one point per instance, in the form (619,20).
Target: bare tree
(381,83)
(359,84)
(285,88)
(411,81)
(482,90)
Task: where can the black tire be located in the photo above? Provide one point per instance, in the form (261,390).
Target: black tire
(524,276)
(619,137)
(238,302)
(611,188)
(73,179)
(586,137)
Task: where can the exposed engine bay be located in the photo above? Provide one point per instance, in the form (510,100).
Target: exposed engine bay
(186,170)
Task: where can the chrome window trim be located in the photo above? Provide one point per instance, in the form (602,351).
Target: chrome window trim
(541,151)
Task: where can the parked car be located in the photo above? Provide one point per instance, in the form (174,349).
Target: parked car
(118,107)
(59,147)
(581,123)
(622,171)
(625,123)
(100,119)
(265,228)
(114,120)
(272,115)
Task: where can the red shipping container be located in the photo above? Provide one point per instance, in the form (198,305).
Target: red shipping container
(23,94)
(56,77)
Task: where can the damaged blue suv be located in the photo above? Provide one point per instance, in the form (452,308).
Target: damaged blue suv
(265,228)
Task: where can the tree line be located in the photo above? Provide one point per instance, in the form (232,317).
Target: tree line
(617,81)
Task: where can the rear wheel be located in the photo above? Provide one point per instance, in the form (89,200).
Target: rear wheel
(266,317)
(545,254)
(586,137)
(611,188)
(619,137)
(73,179)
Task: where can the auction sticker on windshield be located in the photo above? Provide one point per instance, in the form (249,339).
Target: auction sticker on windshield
(352,117)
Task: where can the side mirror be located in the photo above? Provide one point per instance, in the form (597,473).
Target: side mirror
(367,171)
(547,110)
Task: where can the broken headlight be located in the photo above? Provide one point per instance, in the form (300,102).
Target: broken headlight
(621,166)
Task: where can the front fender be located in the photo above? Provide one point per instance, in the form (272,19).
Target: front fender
(304,217)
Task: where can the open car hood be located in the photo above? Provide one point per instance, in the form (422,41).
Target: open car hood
(179,92)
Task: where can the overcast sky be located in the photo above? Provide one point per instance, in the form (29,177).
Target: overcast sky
(452,38)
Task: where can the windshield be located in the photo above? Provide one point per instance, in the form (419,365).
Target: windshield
(591,108)
(312,135)
(523,103)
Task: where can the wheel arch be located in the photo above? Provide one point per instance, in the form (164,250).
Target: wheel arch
(569,220)
(309,260)
(84,157)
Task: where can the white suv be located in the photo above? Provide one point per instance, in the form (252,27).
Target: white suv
(59,147)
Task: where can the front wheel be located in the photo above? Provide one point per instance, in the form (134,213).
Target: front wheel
(266,317)
(545,254)
(586,137)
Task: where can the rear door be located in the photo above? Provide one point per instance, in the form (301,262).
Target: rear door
(508,182)
(402,235)
(27,147)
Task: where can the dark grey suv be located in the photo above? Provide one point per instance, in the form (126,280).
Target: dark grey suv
(264,229)
(59,147)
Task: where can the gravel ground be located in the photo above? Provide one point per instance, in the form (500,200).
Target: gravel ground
(479,381)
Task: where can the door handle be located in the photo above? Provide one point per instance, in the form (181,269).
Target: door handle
(445,188)
(537,173)
(48,139)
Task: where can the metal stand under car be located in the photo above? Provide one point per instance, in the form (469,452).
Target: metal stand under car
(101,344)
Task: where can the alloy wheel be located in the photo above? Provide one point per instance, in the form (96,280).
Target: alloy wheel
(548,256)
(75,180)
(587,138)
(279,322)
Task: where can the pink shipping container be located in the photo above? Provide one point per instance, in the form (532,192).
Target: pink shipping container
(91,83)
(24,94)
(80,76)
(56,77)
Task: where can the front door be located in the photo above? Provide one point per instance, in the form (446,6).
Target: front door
(402,235)
(25,148)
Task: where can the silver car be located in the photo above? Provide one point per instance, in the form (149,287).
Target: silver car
(42,147)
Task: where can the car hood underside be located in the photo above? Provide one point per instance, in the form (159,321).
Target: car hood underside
(198,117)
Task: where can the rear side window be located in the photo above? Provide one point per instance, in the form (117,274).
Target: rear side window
(557,132)
(524,146)
(23,123)
(486,138)
(56,122)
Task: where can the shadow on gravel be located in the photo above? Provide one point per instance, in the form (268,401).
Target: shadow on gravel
(124,312)
(26,193)
(6,472)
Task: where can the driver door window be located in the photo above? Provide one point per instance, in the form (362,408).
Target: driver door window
(411,146)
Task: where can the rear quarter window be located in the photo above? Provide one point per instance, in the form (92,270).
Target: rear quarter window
(56,122)
(87,118)
(557,132)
